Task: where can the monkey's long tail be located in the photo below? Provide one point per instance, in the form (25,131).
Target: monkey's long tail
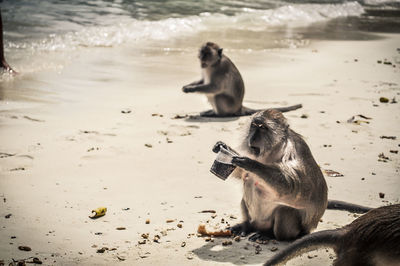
(346,206)
(326,238)
(249,111)
(289,108)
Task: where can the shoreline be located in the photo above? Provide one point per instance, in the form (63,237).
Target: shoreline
(80,152)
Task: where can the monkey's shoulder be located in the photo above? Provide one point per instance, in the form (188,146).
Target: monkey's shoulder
(227,66)
(301,149)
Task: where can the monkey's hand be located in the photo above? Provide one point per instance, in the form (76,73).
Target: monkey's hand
(218,146)
(188,88)
(244,162)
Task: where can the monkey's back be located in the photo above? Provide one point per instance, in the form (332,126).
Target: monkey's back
(230,82)
(236,79)
(313,188)
(375,236)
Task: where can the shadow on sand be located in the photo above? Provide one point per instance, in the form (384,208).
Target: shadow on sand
(239,253)
(196,118)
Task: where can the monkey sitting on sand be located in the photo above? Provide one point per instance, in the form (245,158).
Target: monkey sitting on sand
(371,240)
(222,84)
(284,190)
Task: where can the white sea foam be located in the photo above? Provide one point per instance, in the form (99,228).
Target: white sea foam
(380,2)
(133,30)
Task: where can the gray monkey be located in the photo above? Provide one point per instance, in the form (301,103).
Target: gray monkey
(284,190)
(222,84)
(371,240)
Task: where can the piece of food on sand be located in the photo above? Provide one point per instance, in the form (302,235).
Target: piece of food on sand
(96,213)
(219,233)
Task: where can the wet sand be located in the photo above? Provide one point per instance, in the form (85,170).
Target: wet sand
(70,144)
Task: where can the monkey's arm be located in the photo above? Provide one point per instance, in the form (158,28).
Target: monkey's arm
(204,88)
(198,82)
(271,174)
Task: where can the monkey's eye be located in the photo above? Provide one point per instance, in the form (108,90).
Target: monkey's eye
(203,56)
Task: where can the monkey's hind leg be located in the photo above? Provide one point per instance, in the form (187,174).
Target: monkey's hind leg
(287,223)
(226,106)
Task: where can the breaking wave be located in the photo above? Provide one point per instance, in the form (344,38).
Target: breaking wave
(135,30)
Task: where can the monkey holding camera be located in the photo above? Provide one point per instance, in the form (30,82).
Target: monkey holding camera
(284,190)
(222,84)
(285,193)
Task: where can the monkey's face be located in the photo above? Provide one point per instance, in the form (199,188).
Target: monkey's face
(209,56)
(267,130)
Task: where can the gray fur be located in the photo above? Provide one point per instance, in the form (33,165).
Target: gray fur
(222,84)
(371,240)
(284,190)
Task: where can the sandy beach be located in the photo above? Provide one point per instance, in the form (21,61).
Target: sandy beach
(67,148)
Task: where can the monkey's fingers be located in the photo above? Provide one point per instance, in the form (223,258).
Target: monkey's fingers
(242,162)
(187,89)
(218,146)
(260,238)
(240,230)
(236,229)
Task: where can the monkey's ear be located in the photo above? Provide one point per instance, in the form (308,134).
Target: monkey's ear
(285,123)
(287,127)
(220,52)
(282,120)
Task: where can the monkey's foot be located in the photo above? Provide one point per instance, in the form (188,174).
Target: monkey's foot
(209,113)
(260,238)
(242,229)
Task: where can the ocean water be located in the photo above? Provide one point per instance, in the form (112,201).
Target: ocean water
(41,35)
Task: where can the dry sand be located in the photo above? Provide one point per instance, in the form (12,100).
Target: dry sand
(68,150)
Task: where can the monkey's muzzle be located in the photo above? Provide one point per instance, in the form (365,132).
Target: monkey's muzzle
(222,166)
